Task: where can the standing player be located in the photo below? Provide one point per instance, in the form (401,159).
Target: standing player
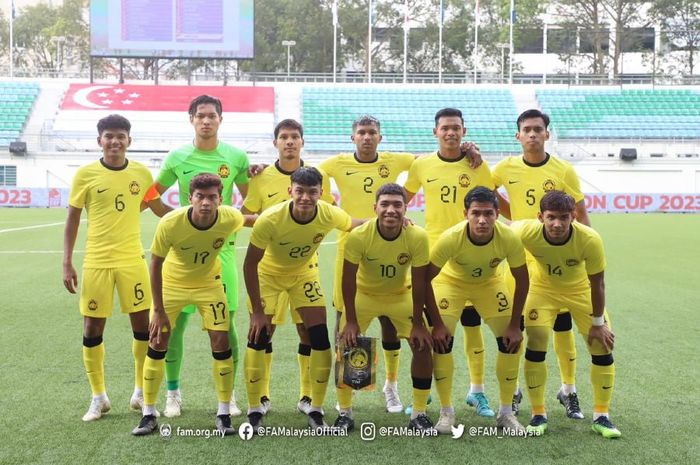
(446,178)
(185,271)
(206,154)
(465,264)
(265,190)
(384,276)
(112,191)
(526,179)
(569,265)
(280,261)
(358,175)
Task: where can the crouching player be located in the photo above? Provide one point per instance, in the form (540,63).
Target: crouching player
(569,273)
(464,263)
(185,271)
(384,276)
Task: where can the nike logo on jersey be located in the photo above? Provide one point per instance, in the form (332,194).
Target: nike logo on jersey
(607,387)
(572,359)
(534,387)
(511,379)
(138,303)
(477,352)
(440,379)
(186,248)
(431,180)
(187,172)
(502,309)
(321,382)
(372,259)
(513,182)
(99,191)
(269,196)
(217,323)
(285,243)
(148,379)
(350,173)
(224,373)
(253,381)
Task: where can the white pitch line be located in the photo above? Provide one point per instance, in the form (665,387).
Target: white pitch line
(10,252)
(36,226)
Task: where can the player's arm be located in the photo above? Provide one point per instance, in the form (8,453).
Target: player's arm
(513,336)
(349,285)
(600,330)
(503,206)
(159,319)
(357,222)
(582,213)
(157,207)
(258,320)
(473,154)
(409,195)
(441,336)
(242,189)
(420,337)
(246,211)
(70,234)
(249,220)
(255,169)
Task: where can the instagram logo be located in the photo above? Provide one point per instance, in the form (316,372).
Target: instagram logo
(368,431)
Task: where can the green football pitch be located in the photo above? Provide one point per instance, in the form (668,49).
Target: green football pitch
(652,282)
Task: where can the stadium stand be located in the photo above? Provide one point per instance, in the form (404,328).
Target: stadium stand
(622,114)
(407,116)
(16,101)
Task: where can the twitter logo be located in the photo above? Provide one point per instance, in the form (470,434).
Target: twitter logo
(457,431)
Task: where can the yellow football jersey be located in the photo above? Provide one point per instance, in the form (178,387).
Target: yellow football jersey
(290,246)
(462,261)
(112,198)
(445,183)
(526,183)
(565,267)
(271,187)
(385,265)
(358,181)
(191,253)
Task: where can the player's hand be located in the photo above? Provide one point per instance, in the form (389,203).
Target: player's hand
(70,278)
(473,154)
(408,222)
(512,338)
(256,169)
(420,338)
(258,323)
(603,335)
(158,325)
(441,338)
(349,334)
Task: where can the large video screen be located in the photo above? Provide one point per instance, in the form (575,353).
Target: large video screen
(172,28)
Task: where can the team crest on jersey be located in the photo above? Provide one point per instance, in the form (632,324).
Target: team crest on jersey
(572,262)
(318,238)
(224,171)
(403,258)
(444,303)
(549,185)
(358,358)
(384,171)
(134,188)
(218,242)
(532,315)
(92,305)
(495,262)
(464,180)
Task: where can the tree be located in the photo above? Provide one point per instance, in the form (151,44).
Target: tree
(680,19)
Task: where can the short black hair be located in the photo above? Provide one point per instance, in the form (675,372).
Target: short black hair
(557,201)
(448,112)
(390,189)
(480,194)
(113,122)
(366,120)
(534,113)
(289,124)
(205,100)
(307,176)
(205,181)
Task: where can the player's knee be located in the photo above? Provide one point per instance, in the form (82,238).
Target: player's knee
(318,336)
(92,341)
(602,360)
(535,355)
(262,342)
(448,349)
(421,383)
(470,317)
(304,349)
(563,322)
(155,354)
(223,355)
(268,348)
(391,345)
(501,345)
(140,336)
